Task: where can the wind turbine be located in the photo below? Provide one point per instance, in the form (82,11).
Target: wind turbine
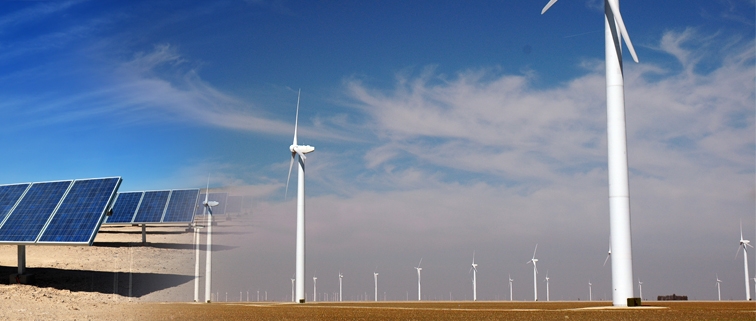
(535,272)
(292,289)
(640,289)
(418,268)
(314,289)
(208,259)
(375,278)
(590,291)
(547,286)
(510,287)
(341,276)
(619,195)
(300,150)
(719,293)
(474,270)
(609,254)
(745,244)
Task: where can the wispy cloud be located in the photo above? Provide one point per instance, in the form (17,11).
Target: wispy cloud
(32,14)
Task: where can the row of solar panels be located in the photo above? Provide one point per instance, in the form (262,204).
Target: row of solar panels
(60,212)
(168,206)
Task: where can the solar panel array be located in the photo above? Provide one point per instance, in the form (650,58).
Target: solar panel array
(154,207)
(60,212)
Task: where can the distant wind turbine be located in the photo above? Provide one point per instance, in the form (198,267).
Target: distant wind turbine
(590,291)
(314,289)
(341,276)
(640,289)
(474,270)
(300,150)
(375,279)
(510,287)
(719,293)
(209,252)
(608,254)
(619,195)
(292,289)
(547,286)
(535,274)
(418,268)
(744,244)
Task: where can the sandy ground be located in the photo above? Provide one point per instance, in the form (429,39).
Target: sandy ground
(118,278)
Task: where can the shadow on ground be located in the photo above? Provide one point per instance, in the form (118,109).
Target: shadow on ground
(176,246)
(100,282)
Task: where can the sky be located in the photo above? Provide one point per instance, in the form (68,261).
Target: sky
(441,128)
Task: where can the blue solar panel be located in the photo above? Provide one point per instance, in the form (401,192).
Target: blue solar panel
(80,214)
(181,206)
(125,207)
(9,196)
(24,224)
(152,208)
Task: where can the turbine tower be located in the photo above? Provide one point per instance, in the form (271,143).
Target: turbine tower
(341,276)
(535,273)
(547,286)
(418,268)
(745,244)
(640,289)
(292,289)
(209,252)
(510,287)
(619,195)
(197,239)
(375,279)
(314,289)
(590,291)
(719,293)
(300,150)
(474,270)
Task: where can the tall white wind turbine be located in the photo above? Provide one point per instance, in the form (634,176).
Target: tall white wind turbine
(418,268)
(619,195)
(209,251)
(341,276)
(547,286)
(299,150)
(474,270)
(640,289)
(292,289)
(510,287)
(590,291)
(375,279)
(535,274)
(719,293)
(745,244)
(314,289)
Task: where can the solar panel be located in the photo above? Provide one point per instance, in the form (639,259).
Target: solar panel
(9,196)
(234,204)
(27,220)
(125,207)
(181,206)
(152,207)
(80,214)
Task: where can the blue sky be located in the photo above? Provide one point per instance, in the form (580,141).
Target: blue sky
(441,128)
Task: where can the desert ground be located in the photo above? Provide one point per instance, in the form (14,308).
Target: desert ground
(119,278)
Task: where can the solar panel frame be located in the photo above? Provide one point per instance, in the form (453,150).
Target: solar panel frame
(30,216)
(133,212)
(82,208)
(146,202)
(177,196)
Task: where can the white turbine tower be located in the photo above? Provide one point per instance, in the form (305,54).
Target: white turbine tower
(590,291)
(547,286)
(209,251)
(314,289)
(300,150)
(745,244)
(375,279)
(535,274)
(418,268)
(719,293)
(640,289)
(619,195)
(197,237)
(292,289)
(474,270)
(510,287)
(341,276)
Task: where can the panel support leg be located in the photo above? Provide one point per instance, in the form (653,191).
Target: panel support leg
(21,277)
(144,233)
(21,259)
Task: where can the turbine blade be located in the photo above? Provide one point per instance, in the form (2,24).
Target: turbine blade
(207,189)
(548,5)
(291,164)
(607,259)
(747,244)
(296,118)
(421,262)
(534,251)
(623,30)
(741,230)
